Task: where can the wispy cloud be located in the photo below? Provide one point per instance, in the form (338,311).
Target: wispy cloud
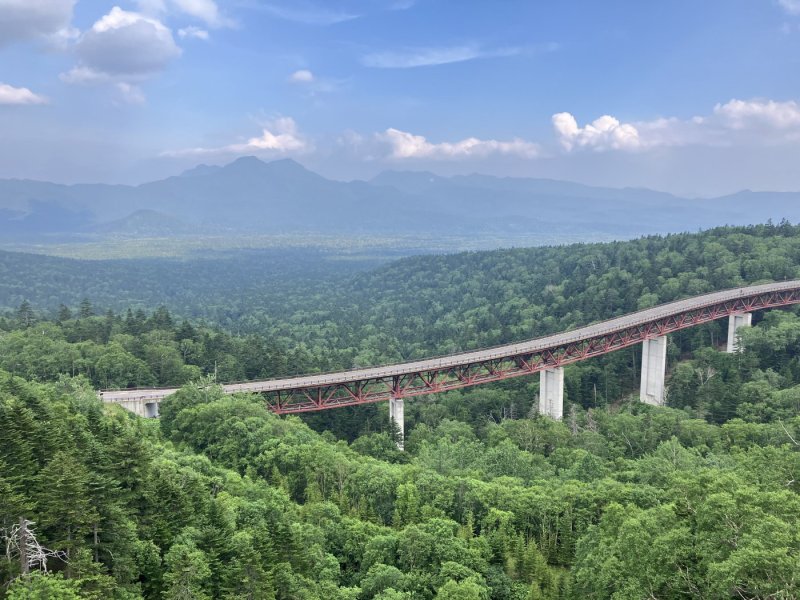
(302,12)
(443,55)
(790,6)
(401,4)
(193,32)
(204,10)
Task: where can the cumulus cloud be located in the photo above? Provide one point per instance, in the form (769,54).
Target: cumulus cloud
(601,134)
(735,122)
(122,46)
(406,145)
(279,136)
(790,6)
(741,114)
(193,32)
(302,76)
(31,19)
(19,95)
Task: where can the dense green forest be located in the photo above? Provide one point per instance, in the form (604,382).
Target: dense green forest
(221,499)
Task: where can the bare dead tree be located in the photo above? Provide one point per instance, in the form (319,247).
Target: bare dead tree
(705,375)
(789,435)
(21,541)
(534,410)
(591,424)
(572,420)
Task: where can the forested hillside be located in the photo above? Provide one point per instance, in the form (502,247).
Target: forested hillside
(221,499)
(322,316)
(423,303)
(228,501)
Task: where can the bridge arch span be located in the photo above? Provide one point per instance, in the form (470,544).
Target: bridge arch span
(465,369)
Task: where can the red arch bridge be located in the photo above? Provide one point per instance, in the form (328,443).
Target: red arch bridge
(546,355)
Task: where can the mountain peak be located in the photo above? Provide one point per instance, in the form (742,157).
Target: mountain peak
(254,164)
(200,170)
(246,161)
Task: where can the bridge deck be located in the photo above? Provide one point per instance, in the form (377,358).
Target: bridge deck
(477,356)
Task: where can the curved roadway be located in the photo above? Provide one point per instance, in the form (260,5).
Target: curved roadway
(466,358)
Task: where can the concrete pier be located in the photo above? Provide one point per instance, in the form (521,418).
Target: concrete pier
(654,367)
(551,392)
(396,414)
(735,321)
(143,407)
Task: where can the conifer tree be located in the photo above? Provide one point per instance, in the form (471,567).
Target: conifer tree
(25,315)
(85,310)
(187,573)
(63,502)
(64,313)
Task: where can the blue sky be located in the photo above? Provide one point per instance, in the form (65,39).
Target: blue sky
(692,97)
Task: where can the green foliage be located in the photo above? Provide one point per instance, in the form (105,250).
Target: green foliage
(37,586)
(223,499)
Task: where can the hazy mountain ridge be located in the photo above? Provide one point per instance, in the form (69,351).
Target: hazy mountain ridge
(249,195)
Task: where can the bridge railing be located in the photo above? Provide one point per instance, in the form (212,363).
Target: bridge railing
(499,351)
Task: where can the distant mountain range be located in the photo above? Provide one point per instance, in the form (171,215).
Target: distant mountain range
(250,195)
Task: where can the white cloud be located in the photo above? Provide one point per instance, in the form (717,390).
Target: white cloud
(15,95)
(426,57)
(193,32)
(122,46)
(407,145)
(203,10)
(741,114)
(302,76)
(736,122)
(279,136)
(312,85)
(601,134)
(131,94)
(83,74)
(304,12)
(31,19)
(790,6)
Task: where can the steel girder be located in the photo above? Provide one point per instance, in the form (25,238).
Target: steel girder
(432,381)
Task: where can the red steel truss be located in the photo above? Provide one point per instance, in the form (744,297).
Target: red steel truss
(514,364)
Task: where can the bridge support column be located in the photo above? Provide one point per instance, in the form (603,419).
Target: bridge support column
(654,368)
(135,405)
(735,321)
(397,416)
(551,392)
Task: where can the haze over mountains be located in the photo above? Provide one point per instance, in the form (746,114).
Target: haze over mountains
(249,195)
